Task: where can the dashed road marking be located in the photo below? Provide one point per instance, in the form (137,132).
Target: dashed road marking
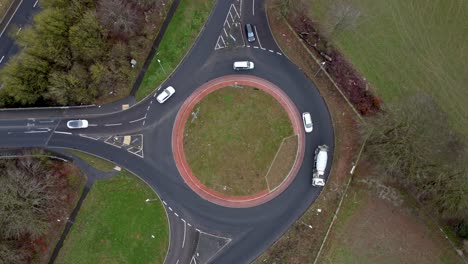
(35,4)
(61,132)
(176,214)
(136,120)
(270,51)
(116,124)
(170,208)
(2,59)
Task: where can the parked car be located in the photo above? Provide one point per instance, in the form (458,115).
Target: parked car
(308,126)
(243,65)
(166,93)
(249,32)
(74,124)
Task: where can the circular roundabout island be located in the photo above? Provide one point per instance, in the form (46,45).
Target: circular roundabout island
(237,141)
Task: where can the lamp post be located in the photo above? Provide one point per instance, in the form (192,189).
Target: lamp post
(161,66)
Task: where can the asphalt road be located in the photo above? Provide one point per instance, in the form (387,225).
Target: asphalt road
(201,232)
(19,15)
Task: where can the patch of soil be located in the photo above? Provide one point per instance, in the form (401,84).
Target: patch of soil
(384,229)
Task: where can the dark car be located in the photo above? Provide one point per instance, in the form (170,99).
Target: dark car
(250,33)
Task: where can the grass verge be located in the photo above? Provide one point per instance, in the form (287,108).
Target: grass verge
(233,141)
(96,162)
(116,225)
(181,33)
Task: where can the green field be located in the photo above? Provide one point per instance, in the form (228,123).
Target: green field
(183,30)
(232,143)
(403,47)
(116,225)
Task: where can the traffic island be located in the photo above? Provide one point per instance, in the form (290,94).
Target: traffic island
(238,141)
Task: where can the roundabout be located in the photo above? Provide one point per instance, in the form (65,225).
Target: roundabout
(207,225)
(279,104)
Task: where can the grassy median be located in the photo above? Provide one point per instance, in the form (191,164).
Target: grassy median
(231,144)
(181,33)
(116,225)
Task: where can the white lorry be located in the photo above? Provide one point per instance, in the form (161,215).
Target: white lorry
(320,163)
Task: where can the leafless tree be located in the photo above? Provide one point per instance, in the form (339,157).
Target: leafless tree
(119,18)
(341,15)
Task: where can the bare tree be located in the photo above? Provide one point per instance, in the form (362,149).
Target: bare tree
(119,18)
(412,143)
(341,15)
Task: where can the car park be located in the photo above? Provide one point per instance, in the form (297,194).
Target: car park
(307,120)
(249,32)
(166,94)
(243,65)
(75,124)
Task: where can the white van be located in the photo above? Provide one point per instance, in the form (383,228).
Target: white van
(243,65)
(320,160)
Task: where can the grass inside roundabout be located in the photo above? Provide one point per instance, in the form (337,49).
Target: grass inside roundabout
(232,138)
(116,225)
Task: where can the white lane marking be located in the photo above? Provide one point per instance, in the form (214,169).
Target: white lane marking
(136,120)
(255,47)
(170,208)
(231,15)
(35,131)
(263,48)
(176,214)
(177,262)
(237,13)
(270,51)
(48,121)
(253,7)
(11,18)
(2,59)
(240,8)
(164,202)
(144,122)
(81,135)
(185,231)
(35,4)
(229,25)
(148,108)
(19,30)
(93,125)
(117,124)
(151,102)
(61,132)
(189,224)
(258,37)
(248,46)
(225,32)
(279,53)
(155,94)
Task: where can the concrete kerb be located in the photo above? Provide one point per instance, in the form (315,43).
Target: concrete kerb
(179,155)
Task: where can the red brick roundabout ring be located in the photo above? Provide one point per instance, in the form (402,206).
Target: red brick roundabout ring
(178,135)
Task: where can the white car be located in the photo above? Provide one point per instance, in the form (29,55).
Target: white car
(73,124)
(243,65)
(308,126)
(166,93)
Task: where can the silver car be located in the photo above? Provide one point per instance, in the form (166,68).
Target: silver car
(74,124)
